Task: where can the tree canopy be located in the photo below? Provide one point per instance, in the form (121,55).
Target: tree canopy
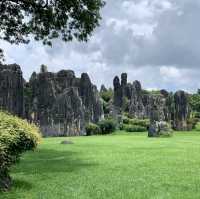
(48,19)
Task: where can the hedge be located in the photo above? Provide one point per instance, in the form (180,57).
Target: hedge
(16,137)
(134,128)
(92,129)
(107,126)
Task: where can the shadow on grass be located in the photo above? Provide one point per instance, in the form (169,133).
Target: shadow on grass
(45,163)
(21,184)
(51,161)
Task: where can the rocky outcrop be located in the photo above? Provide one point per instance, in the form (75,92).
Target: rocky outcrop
(62,104)
(118,93)
(11,89)
(160,129)
(158,107)
(181,110)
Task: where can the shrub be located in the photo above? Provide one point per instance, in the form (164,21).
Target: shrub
(92,129)
(197,126)
(107,95)
(191,123)
(160,129)
(126,121)
(107,126)
(137,122)
(134,128)
(140,122)
(16,137)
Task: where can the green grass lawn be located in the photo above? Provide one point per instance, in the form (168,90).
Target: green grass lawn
(121,166)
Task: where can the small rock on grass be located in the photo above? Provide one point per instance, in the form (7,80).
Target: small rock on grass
(66,142)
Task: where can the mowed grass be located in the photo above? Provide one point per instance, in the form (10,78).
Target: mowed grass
(120,166)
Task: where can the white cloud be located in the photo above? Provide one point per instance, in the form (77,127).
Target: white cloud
(170,72)
(154,41)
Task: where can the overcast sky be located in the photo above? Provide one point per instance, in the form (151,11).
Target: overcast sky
(155,41)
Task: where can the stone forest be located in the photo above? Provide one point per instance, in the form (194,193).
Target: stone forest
(63,104)
(99,99)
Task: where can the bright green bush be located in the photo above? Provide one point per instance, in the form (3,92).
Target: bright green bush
(191,123)
(107,95)
(140,122)
(92,129)
(107,126)
(136,122)
(133,128)
(16,137)
(197,126)
(165,130)
(126,120)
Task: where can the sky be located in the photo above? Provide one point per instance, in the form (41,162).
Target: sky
(155,41)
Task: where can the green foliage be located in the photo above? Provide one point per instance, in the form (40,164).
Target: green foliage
(47,19)
(133,128)
(165,130)
(194,101)
(125,105)
(107,126)
(134,125)
(197,126)
(126,120)
(138,122)
(92,129)
(106,108)
(191,123)
(154,92)
(16,137)
(107,95)
(196,114)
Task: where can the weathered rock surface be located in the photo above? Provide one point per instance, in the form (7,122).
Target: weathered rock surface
(162,106)
(159,129)
(61,103)
(11,89)
(182,110)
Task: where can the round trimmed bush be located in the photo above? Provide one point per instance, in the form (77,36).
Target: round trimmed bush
(107,126)
(92,129)
(16,137)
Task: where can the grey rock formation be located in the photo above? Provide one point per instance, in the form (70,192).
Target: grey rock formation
(62,104)
(159,106)
(159,129)
(11,89)
(118,93)
(182,110)
(137,108)
(103,88)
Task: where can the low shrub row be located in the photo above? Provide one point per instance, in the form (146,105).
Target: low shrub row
(133,128)
(16,137)
(137,122)
(134,125)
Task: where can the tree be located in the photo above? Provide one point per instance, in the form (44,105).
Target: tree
(195,104)
(48,19)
